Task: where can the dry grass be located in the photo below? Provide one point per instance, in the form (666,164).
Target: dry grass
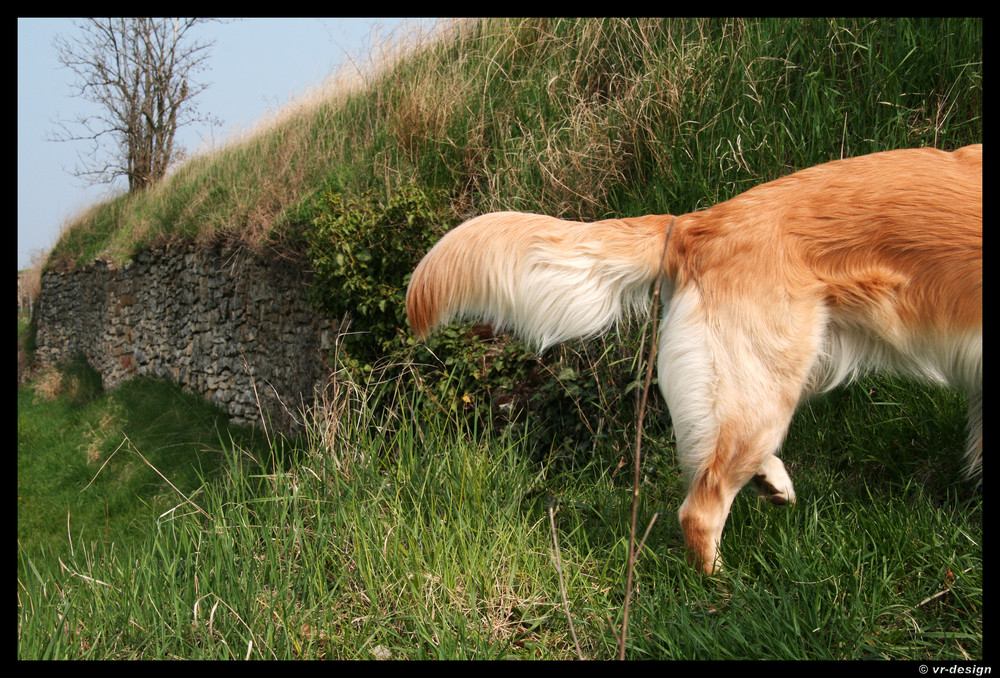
(449,90)
(47,383)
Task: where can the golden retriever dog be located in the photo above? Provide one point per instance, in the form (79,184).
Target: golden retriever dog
(797,285)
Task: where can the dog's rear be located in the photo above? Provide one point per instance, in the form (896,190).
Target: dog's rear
(872,263)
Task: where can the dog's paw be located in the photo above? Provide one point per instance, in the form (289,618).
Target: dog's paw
(773,483)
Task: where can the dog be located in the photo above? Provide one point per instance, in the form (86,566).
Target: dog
(873,263)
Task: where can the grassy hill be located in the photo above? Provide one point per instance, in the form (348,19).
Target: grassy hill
(583,118)
(401,529)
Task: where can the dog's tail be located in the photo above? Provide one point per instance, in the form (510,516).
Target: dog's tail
(546,279)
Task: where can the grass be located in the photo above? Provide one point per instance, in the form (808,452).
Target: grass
(582,118)
(404,538)
(88,461)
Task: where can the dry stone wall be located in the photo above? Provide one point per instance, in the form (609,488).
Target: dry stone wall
(219,322)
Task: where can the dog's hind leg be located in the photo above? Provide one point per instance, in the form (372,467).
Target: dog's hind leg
(731,393)
(740,449)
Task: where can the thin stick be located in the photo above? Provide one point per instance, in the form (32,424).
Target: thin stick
(939,593)
(638,447)
(69,535)
(85,577)
(103,465)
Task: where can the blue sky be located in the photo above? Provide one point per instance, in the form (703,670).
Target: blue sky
(255,66)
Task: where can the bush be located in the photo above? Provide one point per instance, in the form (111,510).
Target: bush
(362,253)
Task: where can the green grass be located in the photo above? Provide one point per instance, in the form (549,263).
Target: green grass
(88,461)
(414,539)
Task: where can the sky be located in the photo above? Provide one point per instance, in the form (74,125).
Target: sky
(254,67)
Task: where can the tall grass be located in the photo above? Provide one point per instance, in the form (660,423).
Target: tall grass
(581,118)
(382,534)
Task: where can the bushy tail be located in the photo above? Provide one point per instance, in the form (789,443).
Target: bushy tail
(546,279)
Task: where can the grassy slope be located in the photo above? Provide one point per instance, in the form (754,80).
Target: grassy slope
(578,118)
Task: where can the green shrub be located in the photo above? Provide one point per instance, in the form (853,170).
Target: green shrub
(467,370)
(362,253)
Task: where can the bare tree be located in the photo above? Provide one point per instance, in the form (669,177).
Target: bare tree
(140,73)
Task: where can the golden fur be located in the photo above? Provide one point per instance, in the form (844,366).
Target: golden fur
(870,263)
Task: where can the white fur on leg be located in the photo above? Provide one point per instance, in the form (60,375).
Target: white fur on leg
(688,379)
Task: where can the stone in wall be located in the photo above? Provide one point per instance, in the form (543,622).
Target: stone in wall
(216,321)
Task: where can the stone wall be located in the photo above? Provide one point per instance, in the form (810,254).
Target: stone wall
(207,319)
